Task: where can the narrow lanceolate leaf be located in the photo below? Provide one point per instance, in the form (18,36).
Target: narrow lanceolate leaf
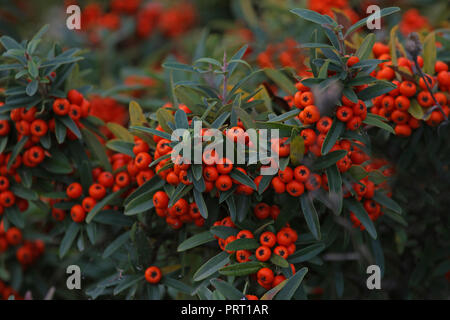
(164,116)
(229,291)
(357,208)
(297,149)
(211,266)
(127,282)
(311,217)
(375,121)
(429,53)
(335,188)
(387,202)
(96,148)
(16,150)
(116,244)
(365,48)
(141,203)
(241,269)
(152,131)
(242,244)
(329,159)
(196,241)
(306,253)
(177,285)
(121,146)
(313,16)
(279,261)
(292,284)
(200,201)
(281,80)
(120,132)
(337,128)
(99,206)
(243,178)
(69,237)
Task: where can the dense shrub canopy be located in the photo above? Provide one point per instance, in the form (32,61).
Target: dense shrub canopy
(355,170)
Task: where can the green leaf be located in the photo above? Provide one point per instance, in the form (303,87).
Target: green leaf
(357,208)
(99,206)
(116,244)
(179,192)
(281,80)
(365,49)
(60,131)
(237,56)
(311,217)
(279,261)
(127,282)
(335,188)
(16,150)
(292,284)
(211,266)
(120,132)
(181,121)
(15,217)
(231,207)
(140,204)
(10,43)
(383,12)
(297,149)
(416,110)
(71,125)
(264,183)
(96,148)
(241,269)
(375,90)
(337,128)
(242,244)
(32,87)
(25,193)
(151,185)
(121,146)
(195,241)
(328,159)
(198,197)
(387,202)
(178,66)
(357,172)
(230,292)
(242,178)
(177,285)
(223,232)
(429,53)
(57,163)
(313,16)
(374,121)
(164,116)
(137,117)
(69,237)
(306,253)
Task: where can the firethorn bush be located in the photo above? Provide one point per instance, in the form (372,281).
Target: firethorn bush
(359,166)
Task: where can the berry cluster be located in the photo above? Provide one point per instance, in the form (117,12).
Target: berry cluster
(411,103)
(127,173)
(150,18)
(281,243)
(180,213)
(27,251)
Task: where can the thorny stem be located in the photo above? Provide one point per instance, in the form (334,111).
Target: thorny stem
(225,78)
